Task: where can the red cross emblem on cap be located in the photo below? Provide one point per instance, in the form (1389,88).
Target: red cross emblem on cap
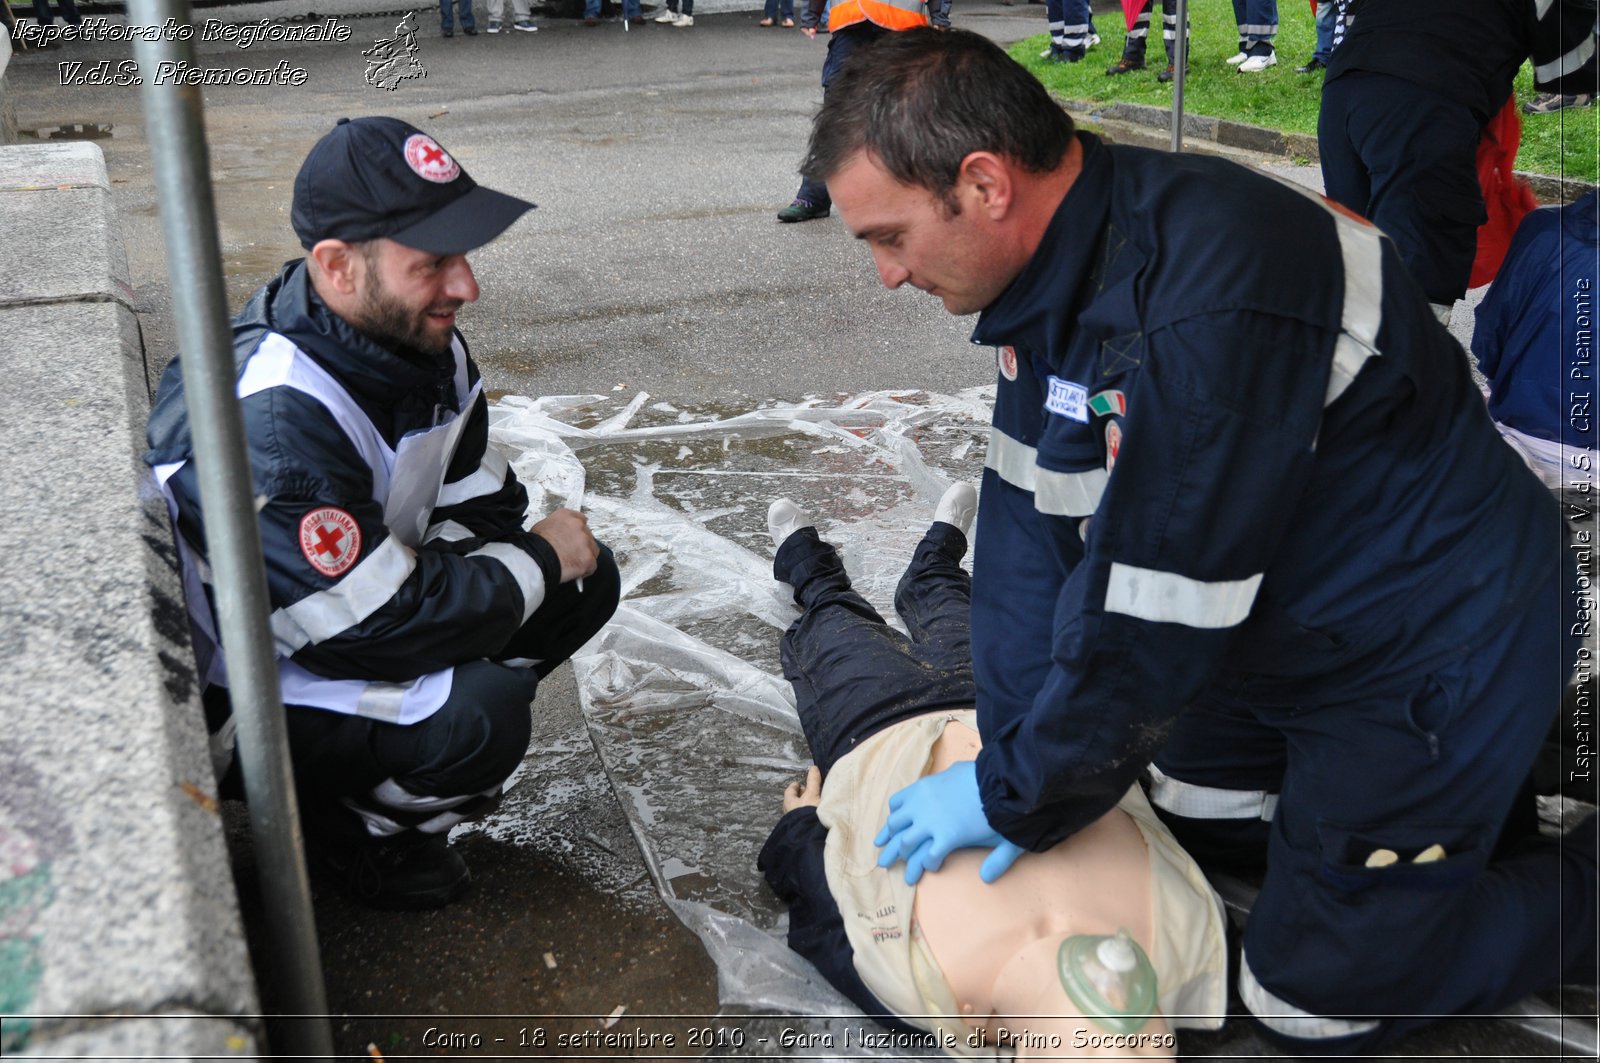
(429,161)
(330,539)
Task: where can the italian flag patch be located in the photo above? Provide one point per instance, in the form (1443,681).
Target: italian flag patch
(1109,403)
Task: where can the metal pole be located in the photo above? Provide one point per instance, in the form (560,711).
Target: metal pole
(175,124)
(1178,74)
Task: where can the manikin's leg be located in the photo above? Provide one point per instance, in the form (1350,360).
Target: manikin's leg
(853,674)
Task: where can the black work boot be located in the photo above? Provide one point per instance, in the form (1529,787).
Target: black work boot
(410,871)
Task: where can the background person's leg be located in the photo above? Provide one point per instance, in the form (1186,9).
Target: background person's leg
(1344,174)
(814,193)
(1420,152)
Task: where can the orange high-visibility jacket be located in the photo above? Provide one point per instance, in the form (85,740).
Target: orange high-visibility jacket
(890,14)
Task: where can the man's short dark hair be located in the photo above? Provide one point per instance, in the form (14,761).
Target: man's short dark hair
(921,100)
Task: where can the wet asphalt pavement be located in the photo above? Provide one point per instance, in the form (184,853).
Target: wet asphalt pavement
(657,156)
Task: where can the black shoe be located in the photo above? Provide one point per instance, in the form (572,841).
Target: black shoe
(1059,54)
(1124,66)
(802,210)
(447,33)
(1549,102)
(1170,73)
(408,872)
(470,32)
(1311,67)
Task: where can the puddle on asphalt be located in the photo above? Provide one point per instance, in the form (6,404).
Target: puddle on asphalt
(682,693)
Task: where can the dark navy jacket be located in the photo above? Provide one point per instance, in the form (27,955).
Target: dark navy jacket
(1469,51)
(1238,452)
(454,603)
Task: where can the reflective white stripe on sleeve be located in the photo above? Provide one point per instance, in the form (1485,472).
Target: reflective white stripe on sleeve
(1015,461)
(523,568)
(363,590)
(1168,598)
(489,478)
(1208,802)
(1566,64)
(1362,251)
(450,531)
(1069,494)
(1282,1017)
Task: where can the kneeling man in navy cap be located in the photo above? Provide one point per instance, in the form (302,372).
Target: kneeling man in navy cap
(413,613)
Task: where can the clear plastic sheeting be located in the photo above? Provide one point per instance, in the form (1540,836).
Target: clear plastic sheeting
(682,693)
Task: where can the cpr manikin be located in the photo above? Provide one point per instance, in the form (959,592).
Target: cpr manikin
(1077,950)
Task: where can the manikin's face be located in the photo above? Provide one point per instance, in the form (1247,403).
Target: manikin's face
(916,240)
(409,298)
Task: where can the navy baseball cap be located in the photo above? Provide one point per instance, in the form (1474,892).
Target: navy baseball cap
(381,177)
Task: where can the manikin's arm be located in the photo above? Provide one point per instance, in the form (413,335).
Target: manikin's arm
(792,862)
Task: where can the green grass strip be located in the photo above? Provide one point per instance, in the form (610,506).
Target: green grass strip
(1566,143)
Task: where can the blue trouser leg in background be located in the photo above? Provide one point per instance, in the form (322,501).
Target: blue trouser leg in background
(446,13)
(1344,951)
(1258,25)
(1326,14)
(840,44)
(852,673)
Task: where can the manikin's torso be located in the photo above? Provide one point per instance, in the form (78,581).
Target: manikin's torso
(1095,882)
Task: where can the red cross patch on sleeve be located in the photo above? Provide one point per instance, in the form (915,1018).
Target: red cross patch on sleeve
(331,540)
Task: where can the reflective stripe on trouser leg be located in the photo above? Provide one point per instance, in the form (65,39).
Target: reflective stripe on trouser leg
(390,808)
(1208,802)
(1282,1017)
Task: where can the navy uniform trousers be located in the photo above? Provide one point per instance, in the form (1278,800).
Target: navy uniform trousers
(1369,949)
(853,674)
(357,776)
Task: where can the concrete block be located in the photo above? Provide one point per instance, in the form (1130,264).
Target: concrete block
(31,166)
(115,889)
(57,197)
(176,1036)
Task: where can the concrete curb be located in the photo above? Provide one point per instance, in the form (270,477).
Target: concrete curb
(1229,134)
(119,925)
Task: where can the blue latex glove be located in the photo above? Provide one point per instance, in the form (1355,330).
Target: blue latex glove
(935,816)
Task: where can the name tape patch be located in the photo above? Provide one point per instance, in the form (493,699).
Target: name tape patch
(1067,399)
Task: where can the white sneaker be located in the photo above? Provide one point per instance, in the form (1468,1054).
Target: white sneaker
(683,22)
(666,16)
(1046,53)
(784,518)
(1094,39)
(1235,60)
(958,506)
(1257,63)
